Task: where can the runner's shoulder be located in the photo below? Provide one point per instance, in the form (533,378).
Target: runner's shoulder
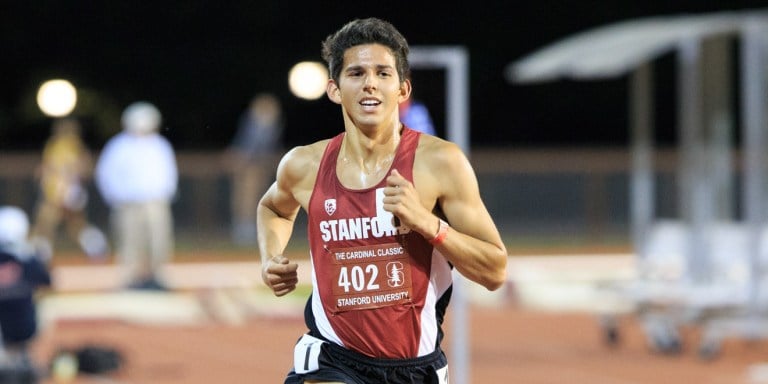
(433,148)
(304,158)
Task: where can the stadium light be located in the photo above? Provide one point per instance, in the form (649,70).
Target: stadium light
(57,98)
(308,80)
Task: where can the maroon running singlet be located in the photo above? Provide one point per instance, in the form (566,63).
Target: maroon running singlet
(378,290)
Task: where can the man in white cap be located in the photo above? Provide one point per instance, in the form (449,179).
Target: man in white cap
(137,176)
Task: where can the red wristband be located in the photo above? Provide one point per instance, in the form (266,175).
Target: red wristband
(441,234)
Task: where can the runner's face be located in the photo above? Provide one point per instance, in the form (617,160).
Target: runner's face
(369,88)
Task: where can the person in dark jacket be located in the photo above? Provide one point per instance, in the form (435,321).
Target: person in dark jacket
(22,273)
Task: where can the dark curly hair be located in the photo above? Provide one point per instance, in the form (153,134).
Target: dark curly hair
(365,31)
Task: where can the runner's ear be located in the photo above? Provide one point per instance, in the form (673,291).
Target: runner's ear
(405,91)
(333,91)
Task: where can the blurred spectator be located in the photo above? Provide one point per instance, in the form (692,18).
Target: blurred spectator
(22,272)
(415,115)
(66,163)
(251,158)
(137,177)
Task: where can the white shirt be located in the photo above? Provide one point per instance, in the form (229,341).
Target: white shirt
(136,168)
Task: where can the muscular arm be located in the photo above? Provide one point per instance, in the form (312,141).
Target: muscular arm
(276,216)
(447,182)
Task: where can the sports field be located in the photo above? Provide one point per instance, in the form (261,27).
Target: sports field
(219,325)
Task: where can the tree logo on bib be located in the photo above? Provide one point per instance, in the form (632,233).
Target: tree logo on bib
(395,274)
(330,206)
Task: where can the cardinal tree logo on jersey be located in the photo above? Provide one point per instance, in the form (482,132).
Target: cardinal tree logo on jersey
(330,206)
(395,275)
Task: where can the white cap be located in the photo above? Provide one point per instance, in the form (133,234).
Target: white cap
(141,117)
(14,226)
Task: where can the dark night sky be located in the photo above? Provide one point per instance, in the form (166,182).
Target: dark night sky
(200,61)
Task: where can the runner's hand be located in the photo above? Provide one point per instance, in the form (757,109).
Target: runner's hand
(280,275)
(401,198)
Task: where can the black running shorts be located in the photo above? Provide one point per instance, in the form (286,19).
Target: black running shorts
(335,363)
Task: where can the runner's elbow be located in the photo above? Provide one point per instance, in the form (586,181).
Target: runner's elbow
(495,282)
(497,276)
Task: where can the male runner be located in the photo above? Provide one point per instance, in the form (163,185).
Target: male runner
(391,211)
